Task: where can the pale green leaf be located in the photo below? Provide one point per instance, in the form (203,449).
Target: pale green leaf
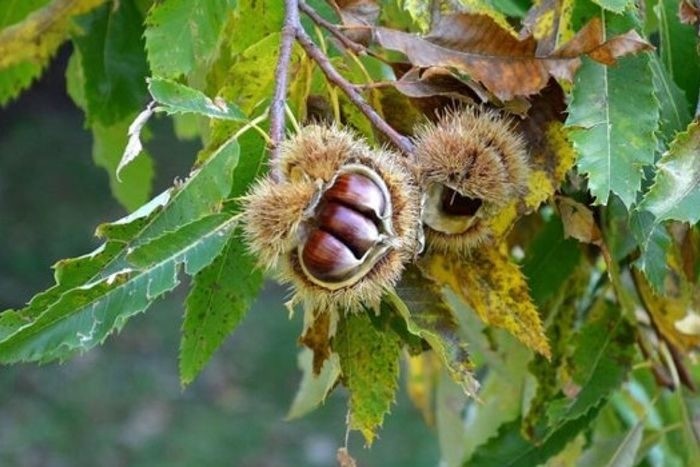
(618,6)
(313,389)
(182,35)
(176,98)
(369,362)
(676,190)
(110,47)
(220,297)
(615,452)
(133,186)
(83,317)
(89,278)
(612,147)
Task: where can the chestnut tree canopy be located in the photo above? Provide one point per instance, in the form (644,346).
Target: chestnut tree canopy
(567,333)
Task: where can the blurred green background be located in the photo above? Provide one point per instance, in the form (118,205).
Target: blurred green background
(121,404)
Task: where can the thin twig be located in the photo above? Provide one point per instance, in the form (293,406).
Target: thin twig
(400,141)
(291,24)
(359,49)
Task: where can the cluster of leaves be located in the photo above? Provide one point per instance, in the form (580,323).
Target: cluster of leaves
(595,286)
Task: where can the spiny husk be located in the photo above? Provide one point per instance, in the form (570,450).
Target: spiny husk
(275,214)
(480,155)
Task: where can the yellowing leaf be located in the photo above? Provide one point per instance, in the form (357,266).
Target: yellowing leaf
(496,290)
(420,383)
(551,157)
(38,36)
(673,315)
(369,362)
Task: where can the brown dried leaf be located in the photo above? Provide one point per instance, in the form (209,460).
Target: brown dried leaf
(506,66)
(578,221)
(689,12)
(317,339)
(359,16)
(345,459)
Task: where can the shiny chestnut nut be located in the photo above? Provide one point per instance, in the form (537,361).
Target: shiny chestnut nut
(340,225)
(470,164)
(348,233)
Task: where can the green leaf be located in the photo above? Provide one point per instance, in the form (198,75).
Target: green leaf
(17,78)
(85,316)
(176,98)
(251,77)
(618,6)
(427,315)
(616,452)
(676,190)
(654,243)
(133,187)
(603,354)
(674,112)
(82,280)
(613,147)
(369,361)
(110,47)
(549,260)
(313,389)
(678,49)
(182,35)
(510,449)
(18,75)
(253,22)
(219,298)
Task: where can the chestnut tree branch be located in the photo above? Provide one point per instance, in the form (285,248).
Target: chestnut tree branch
(356,48)
(277,115)
(401,142)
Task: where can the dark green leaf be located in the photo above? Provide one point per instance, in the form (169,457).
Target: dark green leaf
(613,147)
(510,449)
(220,297)
(549,260)
(679,50)
(110,46)
(654,243)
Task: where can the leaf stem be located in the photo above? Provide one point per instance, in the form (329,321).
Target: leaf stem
(277,114)
(350,90)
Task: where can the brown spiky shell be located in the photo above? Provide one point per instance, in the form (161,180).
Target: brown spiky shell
(478,154)
(275,214)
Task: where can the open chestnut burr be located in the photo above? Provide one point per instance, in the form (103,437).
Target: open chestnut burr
(342,223)
(470,164)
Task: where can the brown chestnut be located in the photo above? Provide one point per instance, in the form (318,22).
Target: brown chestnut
(345,236)
(359,192)
(327,258)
